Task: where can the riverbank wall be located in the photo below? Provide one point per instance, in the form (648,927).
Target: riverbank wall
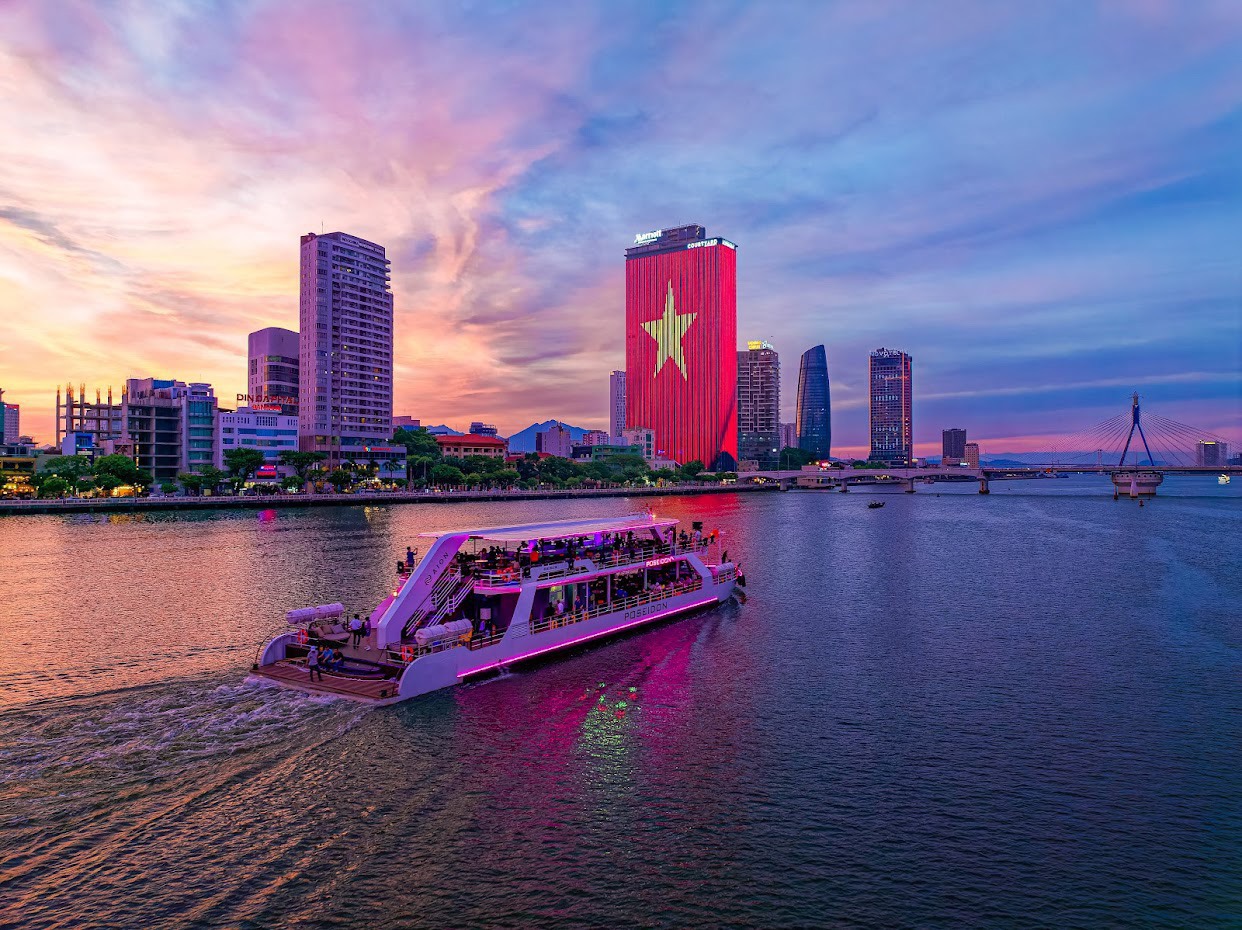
(369,499)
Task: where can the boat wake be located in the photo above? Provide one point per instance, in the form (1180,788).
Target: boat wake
(143,730)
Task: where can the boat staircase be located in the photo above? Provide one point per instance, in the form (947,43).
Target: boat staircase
(446,596)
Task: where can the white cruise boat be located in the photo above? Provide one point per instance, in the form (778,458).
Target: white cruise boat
(483,599)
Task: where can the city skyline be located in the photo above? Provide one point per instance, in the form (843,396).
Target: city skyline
(1041,245)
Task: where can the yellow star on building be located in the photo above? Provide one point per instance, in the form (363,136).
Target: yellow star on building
(668,331)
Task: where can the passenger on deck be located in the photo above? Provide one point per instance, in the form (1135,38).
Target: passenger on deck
(409,556)
(355,630)
(336,661)
(312,663)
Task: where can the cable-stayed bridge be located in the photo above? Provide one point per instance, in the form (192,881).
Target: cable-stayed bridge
(1134,449)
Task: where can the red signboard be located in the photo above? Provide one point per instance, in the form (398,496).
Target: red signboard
(681,350)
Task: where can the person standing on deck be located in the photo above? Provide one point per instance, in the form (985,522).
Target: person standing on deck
(355,630)
(312,663)
(409,557)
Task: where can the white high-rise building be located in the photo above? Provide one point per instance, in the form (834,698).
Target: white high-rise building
(345,347)
(616,405)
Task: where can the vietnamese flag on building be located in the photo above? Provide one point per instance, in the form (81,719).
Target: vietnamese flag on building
(681,344)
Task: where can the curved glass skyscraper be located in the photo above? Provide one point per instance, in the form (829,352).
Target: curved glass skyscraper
(814,412)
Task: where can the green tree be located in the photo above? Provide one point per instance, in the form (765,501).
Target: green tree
(242,464)
(192,483)
(68,467)
(792,457)
(506,477)
(292,483)
(340,478)
(301,462)
(447,476)
(168,487)
(55,486)
(419,467)
(116,470)
(212,477)
(691,470)
(392,466)
(417,442)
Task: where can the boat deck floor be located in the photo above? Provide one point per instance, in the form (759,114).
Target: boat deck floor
(296,676)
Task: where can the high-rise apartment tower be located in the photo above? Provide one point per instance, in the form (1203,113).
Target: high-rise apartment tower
(759,404)
(616,405)
(892,401)
(345,364)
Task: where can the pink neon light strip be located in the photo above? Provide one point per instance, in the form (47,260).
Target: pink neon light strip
(583,639)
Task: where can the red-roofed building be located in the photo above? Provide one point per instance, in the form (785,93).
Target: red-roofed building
(460,447)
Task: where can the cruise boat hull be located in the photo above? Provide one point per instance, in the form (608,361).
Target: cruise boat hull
(445,669)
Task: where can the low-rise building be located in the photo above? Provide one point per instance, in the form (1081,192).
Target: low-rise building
(642,441)
(269,431)
(972,454)
(555,440)
(171,424)
(594,437)
(460,447)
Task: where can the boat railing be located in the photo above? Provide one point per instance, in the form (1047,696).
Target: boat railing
(543,624)
(441,592)
(618,558)
(408,652)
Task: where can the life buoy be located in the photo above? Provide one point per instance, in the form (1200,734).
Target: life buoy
(303,637)
(407,654)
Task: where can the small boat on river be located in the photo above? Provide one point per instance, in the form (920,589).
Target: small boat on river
(876,505)
(483,599)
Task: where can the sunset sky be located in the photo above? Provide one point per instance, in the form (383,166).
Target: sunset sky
(1041,202)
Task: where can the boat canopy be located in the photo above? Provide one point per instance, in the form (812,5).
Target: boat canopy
(562,529)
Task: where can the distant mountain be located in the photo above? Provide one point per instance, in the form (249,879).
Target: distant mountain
(443,430)
(525,440)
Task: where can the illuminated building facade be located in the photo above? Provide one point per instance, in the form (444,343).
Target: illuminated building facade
(892,401)
(814,411)
(681,344)
(345,348)
(759,404)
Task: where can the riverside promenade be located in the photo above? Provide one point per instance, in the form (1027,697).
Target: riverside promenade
(352,499)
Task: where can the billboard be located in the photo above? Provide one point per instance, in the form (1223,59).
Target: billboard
(681,345)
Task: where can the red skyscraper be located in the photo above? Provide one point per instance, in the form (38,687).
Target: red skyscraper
(681,344)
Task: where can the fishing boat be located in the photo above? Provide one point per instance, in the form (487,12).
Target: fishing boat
(481,600)
(1222,479)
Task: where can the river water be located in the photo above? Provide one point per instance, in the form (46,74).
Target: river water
(1020,710)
